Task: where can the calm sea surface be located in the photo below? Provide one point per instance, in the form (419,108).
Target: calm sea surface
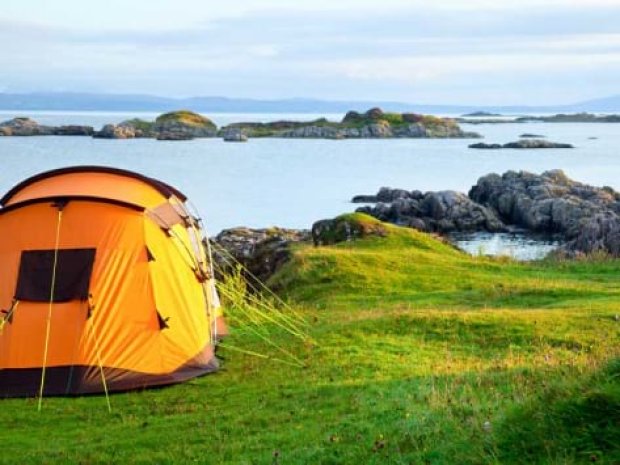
(293,182)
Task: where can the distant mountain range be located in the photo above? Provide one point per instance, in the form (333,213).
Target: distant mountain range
(67,101)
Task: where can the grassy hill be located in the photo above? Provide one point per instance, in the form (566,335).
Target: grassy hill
(424,355)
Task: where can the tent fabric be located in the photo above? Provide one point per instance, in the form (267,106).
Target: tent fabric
(109,183)
(119,273)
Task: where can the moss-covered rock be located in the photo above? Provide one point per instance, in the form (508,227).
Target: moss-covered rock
(345,228)
(183,124)
(185,117)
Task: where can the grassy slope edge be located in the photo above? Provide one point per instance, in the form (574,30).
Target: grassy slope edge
(424,355)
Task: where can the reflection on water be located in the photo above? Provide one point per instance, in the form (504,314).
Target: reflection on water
(518,245)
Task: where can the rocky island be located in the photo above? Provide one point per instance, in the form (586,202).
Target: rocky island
(375,123)
(525,143)
(481,114)
(176,125)
(184,125)
(557,118)
(570,118)
(24,127)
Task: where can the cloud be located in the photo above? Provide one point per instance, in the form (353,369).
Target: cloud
(347,49)
(425,68)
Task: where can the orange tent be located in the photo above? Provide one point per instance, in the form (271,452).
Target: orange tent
(104,285)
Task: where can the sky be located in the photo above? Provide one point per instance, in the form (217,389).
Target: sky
(472,52)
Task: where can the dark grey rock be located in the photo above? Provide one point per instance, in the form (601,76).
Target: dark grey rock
(261,251)
(549,203)
(386,194)
(536,144)
(444,211)
(483,145)
(600,233)
(365,199)
(523,144)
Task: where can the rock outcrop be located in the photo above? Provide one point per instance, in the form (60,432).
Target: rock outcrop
(550,202)
(587,218)
(124,130)
(346,228)
(600,233)
(177,125)
(525,143)
(182,125)
(261,251)
(24,127)
(443,211)
(28,127)
(113,131)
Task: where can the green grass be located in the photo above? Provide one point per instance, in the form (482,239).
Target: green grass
(424,355)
